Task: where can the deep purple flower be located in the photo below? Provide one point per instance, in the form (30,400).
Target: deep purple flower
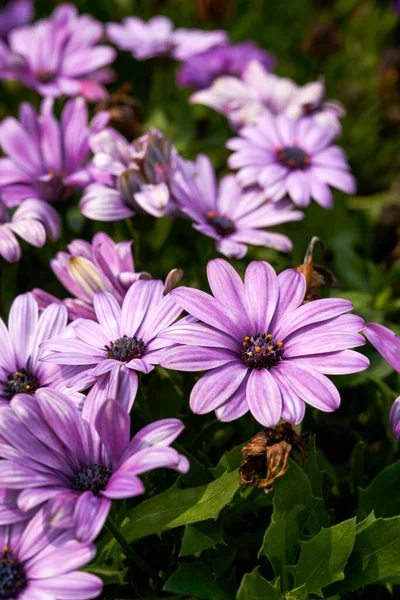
(55,456)
(264,351)
(293,158)
(258,91)
(200,70)
(45,158)
(124,337)
(227,214)
(21,371)
(157,37)
(61,55)
(138,176)
(14,14)
(102,266)
(39,562)
(388,344)
(32,220)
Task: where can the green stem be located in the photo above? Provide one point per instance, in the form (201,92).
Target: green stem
(131,552)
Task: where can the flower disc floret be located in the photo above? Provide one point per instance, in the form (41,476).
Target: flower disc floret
(93,478)
(12,575)
(125,348)
(20,382)
(261,351)
(293,157)
(222,225)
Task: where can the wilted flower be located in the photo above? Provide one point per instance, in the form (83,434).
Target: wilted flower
(139,176)
(293,158)
(227,214)
(266,456)
(315,275)
(14,14)
(52,454)
(45,158)
(21,371)
(39,562)
(264,351)
(200,70)
(388,344)
(258,92)
(102,266)
(32,220)
(124,337)
(60,55)
(156,37)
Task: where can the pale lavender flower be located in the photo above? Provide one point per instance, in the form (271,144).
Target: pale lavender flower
(39,562)
(258,91)
(388,344)
(54,455)
(88,268)
(288,157)
(136,176)
(227,214)
(200,70)
(21,371)
(124,337)
(14,14)
(45,158)
(264,351)
(61,55)
(32,220)
(157,37)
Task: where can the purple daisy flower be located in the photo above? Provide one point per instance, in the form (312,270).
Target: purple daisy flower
(21,371)
(157,37)
(61,55)
(102,266)
(258,91)
(32,220)
(227,214)
(124,337)
(264,351)
(14,14)
(200,70)
(45,158)
(291,158)
(388,344)
(40,562)
(77,467)
(138,176)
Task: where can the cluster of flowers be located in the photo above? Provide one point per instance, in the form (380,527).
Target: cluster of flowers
(70,369)
(284,151)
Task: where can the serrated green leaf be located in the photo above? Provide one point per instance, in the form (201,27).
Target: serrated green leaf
(255,587)
(375,557)
(323,558)
(382,495)
(195,579)
(294,508)
(300,593)
(229,462)
(363,524)
(176,507)
(201,536)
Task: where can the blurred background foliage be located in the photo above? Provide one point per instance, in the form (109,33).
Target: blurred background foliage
(354,45)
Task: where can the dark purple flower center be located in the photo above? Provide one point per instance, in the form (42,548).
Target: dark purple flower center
(52,186)
(222,225)
(125,348)
(261,351)
(12,575)
(20,382)
(91,478)
(46,75)
(293,157)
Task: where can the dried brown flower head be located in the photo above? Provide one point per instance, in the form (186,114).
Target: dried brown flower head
(266,456)
(316,276)
(125,111)
(324,38)
(216,10)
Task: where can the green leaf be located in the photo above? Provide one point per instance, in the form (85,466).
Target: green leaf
(382,495)
(229,462)
(176,507)
(294,507)
(363,524)
(312,470)
(201,536)
(300,593)
(323,558)
(195,579)
(375,557)
(255,587)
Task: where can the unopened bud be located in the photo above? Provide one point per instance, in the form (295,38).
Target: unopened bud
(315,275)
(172,280)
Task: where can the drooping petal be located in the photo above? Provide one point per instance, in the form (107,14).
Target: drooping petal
(395,418)
(90,515)
(310,385)
(216,387)
(386,342)
(113,426)
(264,397)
